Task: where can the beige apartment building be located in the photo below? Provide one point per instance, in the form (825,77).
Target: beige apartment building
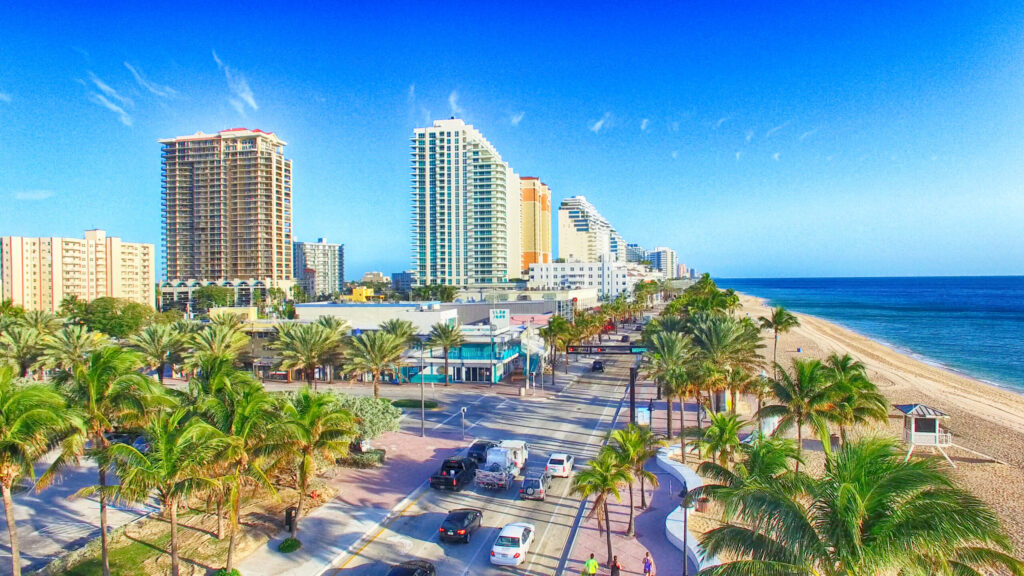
(536,222)
(38,273)
(227,207)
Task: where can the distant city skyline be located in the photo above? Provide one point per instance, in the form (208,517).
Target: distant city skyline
(804,139)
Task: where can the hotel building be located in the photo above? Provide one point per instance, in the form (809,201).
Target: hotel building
(609,278)
(586,236)
(37,273)
(320,267)
(227,207)
(466,208)
(664,260)
(536,234)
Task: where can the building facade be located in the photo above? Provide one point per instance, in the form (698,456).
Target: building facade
(664,260)
(37,273)
(227,206)
(635,253)
(320,267)
(586,236)
(536,228)
(403,281)
(466,208)
(609,278)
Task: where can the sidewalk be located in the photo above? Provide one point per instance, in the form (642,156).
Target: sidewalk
(649,524)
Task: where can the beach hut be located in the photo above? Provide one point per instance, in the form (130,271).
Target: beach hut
(921,428)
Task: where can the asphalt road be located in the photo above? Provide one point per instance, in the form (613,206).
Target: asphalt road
(574,421)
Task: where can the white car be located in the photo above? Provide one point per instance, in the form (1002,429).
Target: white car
(512,544)
(560,465)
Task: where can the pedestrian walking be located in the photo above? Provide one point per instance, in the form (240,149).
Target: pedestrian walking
(590,567)
(615,567)
(648,565)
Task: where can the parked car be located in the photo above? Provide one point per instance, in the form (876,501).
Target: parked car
(535,486)
(512,544)
(455,474)
(478,451)
(597,366)
(625,338)
(560,465)
(413,568)
(460,524)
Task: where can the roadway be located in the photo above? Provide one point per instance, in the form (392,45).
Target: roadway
(575,421)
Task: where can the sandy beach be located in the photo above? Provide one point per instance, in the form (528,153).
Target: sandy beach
(982,417)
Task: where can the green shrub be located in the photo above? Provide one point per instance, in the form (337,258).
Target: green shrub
(289,545)
(225,572)
(412,403)
(370,459)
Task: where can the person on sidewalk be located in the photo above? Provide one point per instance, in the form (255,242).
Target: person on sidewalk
(590,567)
(615,567)
(648,565)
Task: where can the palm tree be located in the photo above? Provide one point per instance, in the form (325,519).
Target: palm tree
(226,341)
(870,513)
(44,322)
(446,336)
(721,438)
(69,346)
(723,344)
(857,400)
(317,429)
(553,335)
(805,397)
(305,347)
(634,446)
(765,462)
(779,322)
(160,345)
(340,330)
(377,353)
(602,480)
(21,346)
(404,330)
(32,417)
(110,392)
(175,467)
(761,387)
(667,356)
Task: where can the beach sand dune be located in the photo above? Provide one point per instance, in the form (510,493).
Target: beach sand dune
(982,417)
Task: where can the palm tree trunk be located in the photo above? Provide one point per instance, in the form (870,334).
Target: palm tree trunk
(608,532)
(629,528)
(734,396)
(12,529)
(799,443)
(643,492)
(775,356)
(298,511)
(445,366)
(172,507)
(220,516)
(760,404)
(311,377)
(682,428)
(376,384)
(104,551)
(160,372)
(669,416)
(232,531)
(842,433)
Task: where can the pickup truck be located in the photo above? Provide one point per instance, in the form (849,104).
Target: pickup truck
(503,464)
(455,474)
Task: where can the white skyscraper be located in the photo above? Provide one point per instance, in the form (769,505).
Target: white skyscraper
(466,208)
(664,260)
(586,236)
(320,267)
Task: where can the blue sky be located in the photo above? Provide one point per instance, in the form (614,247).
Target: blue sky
(806,139)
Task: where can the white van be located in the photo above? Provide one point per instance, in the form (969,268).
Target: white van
(519,451)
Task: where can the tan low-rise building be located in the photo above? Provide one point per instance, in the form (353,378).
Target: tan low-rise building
(37,273)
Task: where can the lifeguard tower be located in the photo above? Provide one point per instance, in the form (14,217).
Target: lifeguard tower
(921,428)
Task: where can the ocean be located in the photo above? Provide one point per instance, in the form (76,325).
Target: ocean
(972,325)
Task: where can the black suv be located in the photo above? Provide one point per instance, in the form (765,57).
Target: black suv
(414,568)
(459,524)
(478,451)
(597,366)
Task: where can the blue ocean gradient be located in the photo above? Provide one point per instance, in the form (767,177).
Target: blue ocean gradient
(973,325)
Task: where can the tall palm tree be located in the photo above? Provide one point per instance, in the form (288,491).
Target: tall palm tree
(446,336)
(315,429)
(634,446)
(601,480)
(305,347)
(554,335)
(779,322)
(402,329)
(32,417)
(109,391)
(723,344)
(340,330)
(69,346)
(857,400)
(21,346)
(181,450)
(377,353)
(667,356)
(805,397)
(159,345)
(44,322)
(765,462)
(870,513)
(226,341)
(721,439)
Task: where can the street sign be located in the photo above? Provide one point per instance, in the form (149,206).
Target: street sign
(607,349)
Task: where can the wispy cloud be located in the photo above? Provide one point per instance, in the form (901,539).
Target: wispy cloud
(153,87)
(122,114)
(597,126)
(110,92)
(776,156)
(643,124)
(675,154)
(239,86)
(750,136)
(412,92)
(738,154)
(453,103)
(33,195)
(110,99)
(5,97)
(808,134)
(721,121)
(517,118)
(776,129)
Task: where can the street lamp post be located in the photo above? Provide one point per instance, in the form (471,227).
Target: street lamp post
(686,504)
(463,422)
(423,400)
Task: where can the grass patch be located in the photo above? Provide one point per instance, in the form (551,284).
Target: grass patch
(370,459)
(412,403)
(289,545)
(124,559)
